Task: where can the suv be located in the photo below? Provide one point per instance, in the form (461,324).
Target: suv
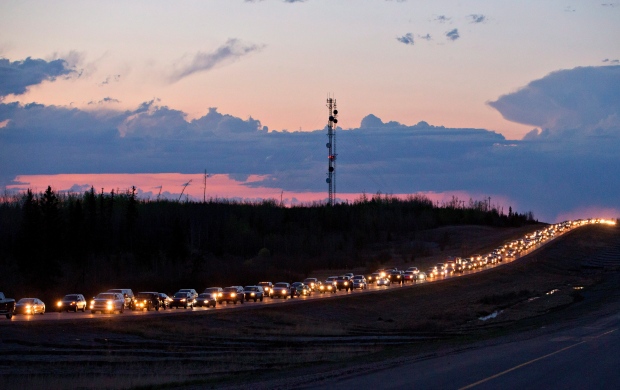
(126,293)
(217,292)
(193,294)
(146,300)
(312,283)
(281,290)
(359,281)
(233,294)
(254,292)
(344,282)
(182,299)
(72,302)
(267,288)
(108,302)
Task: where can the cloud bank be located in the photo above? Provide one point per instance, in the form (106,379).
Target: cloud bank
(555,170)
(578,101)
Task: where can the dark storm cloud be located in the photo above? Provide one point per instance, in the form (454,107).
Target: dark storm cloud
(17,76)
(579,101)
(229,52)
(407,39)
(453,35)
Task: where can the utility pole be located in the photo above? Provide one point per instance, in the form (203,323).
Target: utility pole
(204,189)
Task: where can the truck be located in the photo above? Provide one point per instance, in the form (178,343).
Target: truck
(7,306)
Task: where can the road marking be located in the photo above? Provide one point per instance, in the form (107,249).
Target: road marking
(532,361)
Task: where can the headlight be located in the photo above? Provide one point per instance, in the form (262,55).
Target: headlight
(233,295)
(206,301)
(59,304)
(346,283)
(183,300)
(252,294)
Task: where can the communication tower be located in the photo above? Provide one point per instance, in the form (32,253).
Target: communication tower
(331,147)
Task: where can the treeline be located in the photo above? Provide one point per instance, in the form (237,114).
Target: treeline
(54,243)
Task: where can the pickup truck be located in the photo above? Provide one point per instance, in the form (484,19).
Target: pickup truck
(7,306)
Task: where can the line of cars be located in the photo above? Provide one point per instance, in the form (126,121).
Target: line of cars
(117,300)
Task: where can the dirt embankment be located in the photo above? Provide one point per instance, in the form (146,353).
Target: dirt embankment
(231,347)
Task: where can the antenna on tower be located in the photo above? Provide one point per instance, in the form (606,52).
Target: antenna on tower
(331,146)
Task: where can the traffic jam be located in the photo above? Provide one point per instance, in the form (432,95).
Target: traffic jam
(122,300)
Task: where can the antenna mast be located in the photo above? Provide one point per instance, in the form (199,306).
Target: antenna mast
(331,146)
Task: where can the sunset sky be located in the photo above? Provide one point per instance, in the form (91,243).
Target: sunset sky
(518,101)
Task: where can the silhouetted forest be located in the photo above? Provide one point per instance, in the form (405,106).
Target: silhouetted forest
(52,244)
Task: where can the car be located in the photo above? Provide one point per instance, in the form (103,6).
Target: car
(312,283)
(442,270)
(383,281)
(409,276)
(182,299)
(420,276)
(72,302)
(126,293)
(7,306)
(233,294)
(331,280)
(395,276)
(344,282)
(217,291)
(281,290)
(30,306)
(146,301)
(206,300)
(327,287)
(267,288)
(193,293)
(432,272)
(164,301)
(108,302)
(301,290)
(255,293)
(359,281)
(373,277)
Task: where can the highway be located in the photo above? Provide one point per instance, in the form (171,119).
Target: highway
(581,356)
(51,315)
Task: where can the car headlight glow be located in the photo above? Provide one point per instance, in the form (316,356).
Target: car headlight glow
(59,304)
(233,295)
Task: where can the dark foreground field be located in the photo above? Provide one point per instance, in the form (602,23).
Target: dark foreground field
(314,341)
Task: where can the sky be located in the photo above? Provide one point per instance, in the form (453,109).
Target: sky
(517,101)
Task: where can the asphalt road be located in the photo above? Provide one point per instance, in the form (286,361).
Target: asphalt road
(582,356)
(52,315)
